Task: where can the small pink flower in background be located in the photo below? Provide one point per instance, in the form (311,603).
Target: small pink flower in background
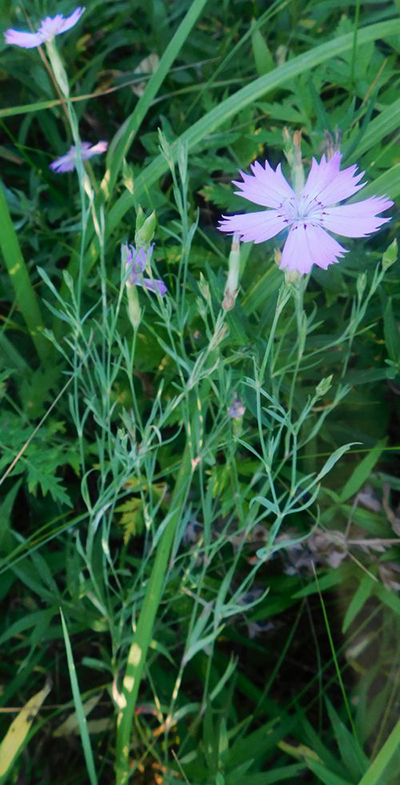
(308,216)
(136,263)
(50,27)
(67,162)
(237,410)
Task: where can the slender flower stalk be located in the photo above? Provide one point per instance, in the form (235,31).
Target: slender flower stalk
(309,214)
(67,162)
(49,28)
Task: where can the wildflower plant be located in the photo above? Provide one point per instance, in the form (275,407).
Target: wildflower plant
(308,214)
(200,412)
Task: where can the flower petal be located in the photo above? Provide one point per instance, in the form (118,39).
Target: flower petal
(254,227)
(65,163)
(307,245)
(328,185)
(71,20)
(88,151)
(265,186)
(154,285)
(26,40)
(358,219)
(320,175)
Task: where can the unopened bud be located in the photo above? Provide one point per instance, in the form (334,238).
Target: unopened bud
(323,386)
(390,256)
(231,287)
(361,284)
(292,150)
(205,289)
(292,277)
(128,181)
(134,311)
(145,233)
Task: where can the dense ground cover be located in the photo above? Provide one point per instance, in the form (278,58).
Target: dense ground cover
(199,519)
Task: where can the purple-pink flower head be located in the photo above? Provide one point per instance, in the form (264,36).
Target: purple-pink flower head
(67,162)
(310,215)
(237,410)
(50,27)
(136,262)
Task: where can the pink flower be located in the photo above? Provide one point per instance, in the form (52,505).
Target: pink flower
(67,162)
(237,410)
(50,27)
(308,216)
(136,262)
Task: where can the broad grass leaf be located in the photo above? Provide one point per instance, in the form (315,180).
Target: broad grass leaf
(279,774)
(324,775)
(351,754)
(379,773)
(16,736)
(364,591)
(262,56)
(330,579)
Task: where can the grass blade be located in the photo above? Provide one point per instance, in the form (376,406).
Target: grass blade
(80,712)
(26,298)
(392,745)
(16,736)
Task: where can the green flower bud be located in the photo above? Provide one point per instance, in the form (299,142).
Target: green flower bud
(145,233)
(134,311)
(390,256)
(323,386)
(231,287)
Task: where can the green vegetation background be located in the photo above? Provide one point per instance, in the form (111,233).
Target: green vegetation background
(265,548)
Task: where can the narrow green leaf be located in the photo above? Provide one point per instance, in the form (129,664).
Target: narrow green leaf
(326,776)
(351,753)
(362,471)
(334,458)
(25,295)
(364,591)
(387,184)
(383,125)
(374,775)
(262,56)
(80,712)
(392,333)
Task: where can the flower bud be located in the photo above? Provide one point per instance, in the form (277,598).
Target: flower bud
(390,256)
(205,289)
(128,181)
(145,233)
(134,311)
(231,287)
(323,386)
(361,284)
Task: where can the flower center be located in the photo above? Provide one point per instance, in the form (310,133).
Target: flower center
(51,26)
(302,210)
